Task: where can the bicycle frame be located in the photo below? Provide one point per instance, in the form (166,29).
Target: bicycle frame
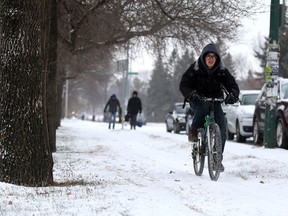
(208,136)
(209,119)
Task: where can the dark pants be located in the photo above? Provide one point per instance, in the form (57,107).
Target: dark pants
(133,119)
(201,109)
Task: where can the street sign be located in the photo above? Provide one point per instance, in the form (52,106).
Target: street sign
(122,65)
(132,73)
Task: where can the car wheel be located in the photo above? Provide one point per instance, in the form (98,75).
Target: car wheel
(168,129)
(230,136)
(257,137)
(239,137)
(281,139)
(176,128)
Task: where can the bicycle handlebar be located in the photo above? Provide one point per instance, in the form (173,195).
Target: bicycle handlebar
(213,99)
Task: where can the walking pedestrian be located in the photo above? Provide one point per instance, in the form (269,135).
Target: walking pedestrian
(134,107)
(112,105)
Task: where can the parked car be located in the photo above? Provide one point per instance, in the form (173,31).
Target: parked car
(224,107)
(239,116)
(176,119)
(189,118)
(281,115)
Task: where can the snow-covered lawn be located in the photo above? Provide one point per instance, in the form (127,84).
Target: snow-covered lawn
(148,172)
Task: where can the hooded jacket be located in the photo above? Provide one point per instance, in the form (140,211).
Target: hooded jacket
(207,82)
(134,104)
(112,104)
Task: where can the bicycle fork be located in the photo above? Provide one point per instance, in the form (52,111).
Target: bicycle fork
(213,149)
(209,140)
(200,145)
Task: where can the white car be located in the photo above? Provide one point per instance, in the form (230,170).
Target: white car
(239,116)
(176,118)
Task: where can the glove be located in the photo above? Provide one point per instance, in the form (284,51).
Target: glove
(230,99)
(195,97)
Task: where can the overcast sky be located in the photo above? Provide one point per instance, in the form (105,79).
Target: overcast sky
(254,30)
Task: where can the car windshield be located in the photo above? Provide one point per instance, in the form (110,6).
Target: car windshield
(249,99)
(180,110)
(284,91)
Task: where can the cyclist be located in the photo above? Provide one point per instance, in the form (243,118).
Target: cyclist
(206,78)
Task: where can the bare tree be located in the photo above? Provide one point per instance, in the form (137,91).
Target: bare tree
(94,24)
(50,34)
(25,156)
(86,27)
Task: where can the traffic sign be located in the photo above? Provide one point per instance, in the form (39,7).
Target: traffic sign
(132,73)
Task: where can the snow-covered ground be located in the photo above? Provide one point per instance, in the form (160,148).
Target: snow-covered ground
(148,172)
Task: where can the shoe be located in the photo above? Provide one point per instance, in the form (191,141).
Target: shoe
(221,167)
(192,136)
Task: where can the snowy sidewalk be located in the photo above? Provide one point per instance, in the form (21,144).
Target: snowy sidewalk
(149,172)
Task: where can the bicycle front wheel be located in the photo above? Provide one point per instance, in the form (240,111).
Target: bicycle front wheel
(214,152)
(198,153)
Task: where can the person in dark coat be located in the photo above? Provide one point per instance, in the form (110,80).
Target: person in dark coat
(133,108)
(112,105)
(205,78)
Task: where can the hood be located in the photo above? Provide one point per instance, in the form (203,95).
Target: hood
(113,96)
(209,48)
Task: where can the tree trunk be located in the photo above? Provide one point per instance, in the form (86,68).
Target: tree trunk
(52,74)
(25,156)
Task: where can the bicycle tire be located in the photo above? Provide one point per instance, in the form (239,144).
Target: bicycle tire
(198,153)
(214,152)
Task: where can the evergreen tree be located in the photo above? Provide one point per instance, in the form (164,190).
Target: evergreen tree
(180,67)
(226,57)
(159,92)
(172,61)
(229,64)
(262,56)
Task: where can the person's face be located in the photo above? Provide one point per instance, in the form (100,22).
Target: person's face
(210,60)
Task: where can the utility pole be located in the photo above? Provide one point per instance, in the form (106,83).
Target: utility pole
(271,75)
(122,66)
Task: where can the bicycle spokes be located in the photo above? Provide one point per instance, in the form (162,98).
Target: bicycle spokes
(198,154)
(215,152)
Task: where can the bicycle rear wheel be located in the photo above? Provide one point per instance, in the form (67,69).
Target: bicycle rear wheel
(214,152)
(198,153)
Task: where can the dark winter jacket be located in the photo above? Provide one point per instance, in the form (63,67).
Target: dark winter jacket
(134,106)
(207,82)
(113,103)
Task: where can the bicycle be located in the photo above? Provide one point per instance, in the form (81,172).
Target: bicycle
(209,144)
